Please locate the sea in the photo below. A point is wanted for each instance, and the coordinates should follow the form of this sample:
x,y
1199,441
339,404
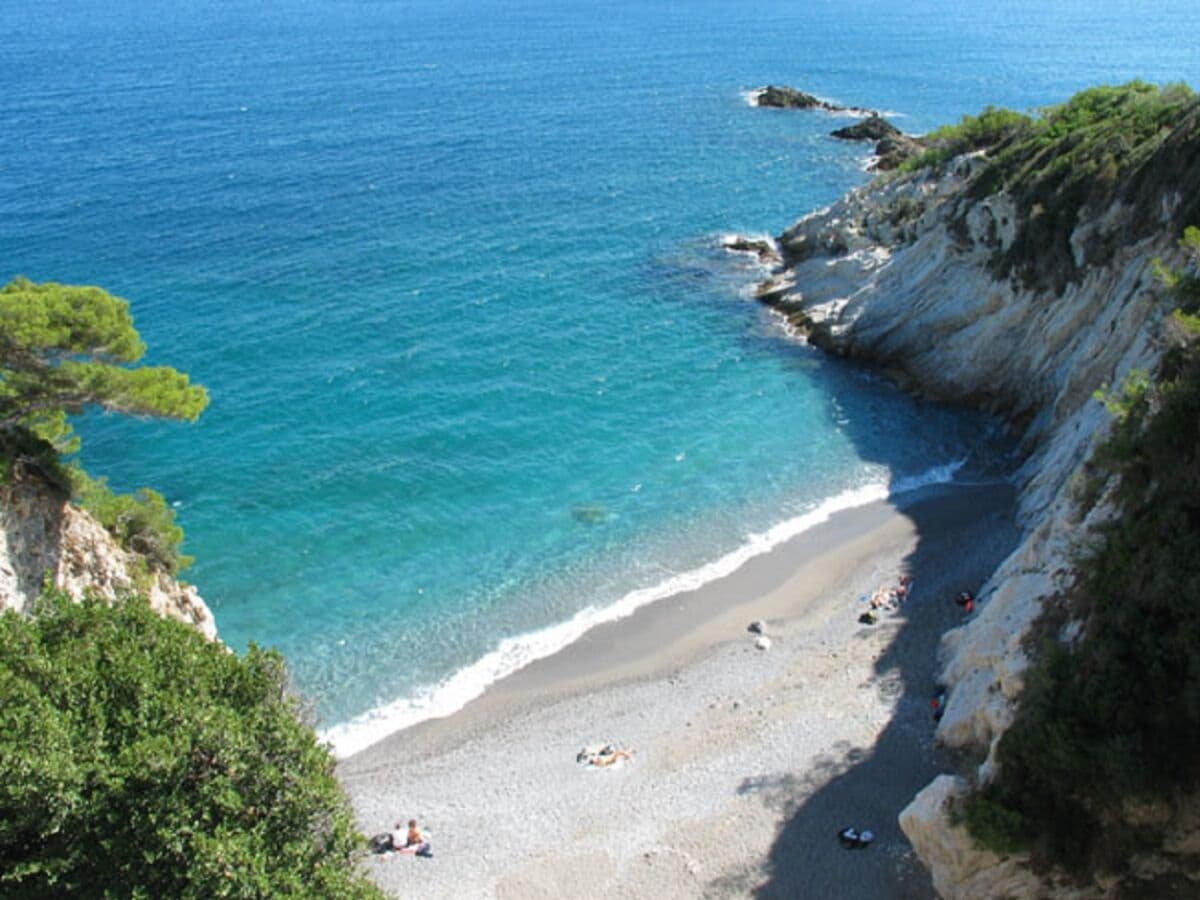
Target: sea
x,y
482,374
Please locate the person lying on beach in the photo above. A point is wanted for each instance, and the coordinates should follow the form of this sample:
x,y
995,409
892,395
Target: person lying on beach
x,y
607,755
885,598
611,757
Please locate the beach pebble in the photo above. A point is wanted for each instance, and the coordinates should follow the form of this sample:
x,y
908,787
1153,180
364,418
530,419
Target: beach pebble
x,y
758,626
762,642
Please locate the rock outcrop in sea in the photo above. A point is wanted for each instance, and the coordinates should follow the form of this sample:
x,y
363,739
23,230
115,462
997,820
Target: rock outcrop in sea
x,y
873,128
46,538
1022,298
892,146
783,97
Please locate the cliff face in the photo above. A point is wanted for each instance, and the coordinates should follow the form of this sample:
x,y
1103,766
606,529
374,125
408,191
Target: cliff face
x,y
43,535
903,274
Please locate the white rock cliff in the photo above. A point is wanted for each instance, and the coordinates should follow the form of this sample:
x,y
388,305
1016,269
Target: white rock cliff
x,y
901,273
44,536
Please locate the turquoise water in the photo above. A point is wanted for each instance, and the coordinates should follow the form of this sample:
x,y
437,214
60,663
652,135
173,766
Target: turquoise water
x,y
481,374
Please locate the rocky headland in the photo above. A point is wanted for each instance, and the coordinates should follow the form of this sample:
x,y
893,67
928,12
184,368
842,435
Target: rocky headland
x,y
1017,275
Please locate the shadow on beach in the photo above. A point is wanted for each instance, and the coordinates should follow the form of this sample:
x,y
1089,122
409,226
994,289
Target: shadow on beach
x,y
959,545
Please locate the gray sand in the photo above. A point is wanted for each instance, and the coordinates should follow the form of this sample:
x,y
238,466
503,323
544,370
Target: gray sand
x,y
746,762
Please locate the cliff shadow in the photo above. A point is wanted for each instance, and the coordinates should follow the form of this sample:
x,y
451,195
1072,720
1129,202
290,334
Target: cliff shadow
x,y
963,532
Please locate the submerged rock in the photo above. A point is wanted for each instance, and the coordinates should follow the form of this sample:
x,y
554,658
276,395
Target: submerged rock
x,y
589,513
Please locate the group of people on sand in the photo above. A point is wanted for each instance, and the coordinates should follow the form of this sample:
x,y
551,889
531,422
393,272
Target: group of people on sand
x,y
886,598
401,841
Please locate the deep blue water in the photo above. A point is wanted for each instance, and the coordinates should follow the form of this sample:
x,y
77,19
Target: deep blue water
x,y
450,272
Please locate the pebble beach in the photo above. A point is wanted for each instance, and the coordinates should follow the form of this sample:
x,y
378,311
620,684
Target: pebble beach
x,y
746,762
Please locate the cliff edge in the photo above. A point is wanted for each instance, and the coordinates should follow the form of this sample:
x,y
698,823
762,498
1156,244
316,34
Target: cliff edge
x,y
43,536
1012,269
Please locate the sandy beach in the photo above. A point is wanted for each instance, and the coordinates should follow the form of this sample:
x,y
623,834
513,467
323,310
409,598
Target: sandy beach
x,y
746,762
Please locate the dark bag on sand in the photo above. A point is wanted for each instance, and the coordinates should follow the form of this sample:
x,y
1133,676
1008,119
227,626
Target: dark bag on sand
x,y
382,843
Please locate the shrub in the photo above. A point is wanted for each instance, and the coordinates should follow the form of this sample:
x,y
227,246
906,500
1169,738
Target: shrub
x,y
142,522
991,127
139,760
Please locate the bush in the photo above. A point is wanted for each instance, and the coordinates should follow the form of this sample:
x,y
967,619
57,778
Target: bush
x,y
142,522
139,760
991,127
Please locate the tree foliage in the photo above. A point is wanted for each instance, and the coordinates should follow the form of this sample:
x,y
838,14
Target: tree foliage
x,y
64,348
1116,716
139,760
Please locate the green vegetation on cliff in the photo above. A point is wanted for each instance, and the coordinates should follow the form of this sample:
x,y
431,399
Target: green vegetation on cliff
x,y
65,348
1128,144
138,759
1110,722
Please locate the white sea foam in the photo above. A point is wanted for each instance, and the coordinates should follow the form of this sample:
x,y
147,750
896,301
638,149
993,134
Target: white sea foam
x,y
751,96
451,695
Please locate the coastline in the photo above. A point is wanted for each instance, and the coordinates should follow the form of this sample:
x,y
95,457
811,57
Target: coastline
x,y
517,652
737,750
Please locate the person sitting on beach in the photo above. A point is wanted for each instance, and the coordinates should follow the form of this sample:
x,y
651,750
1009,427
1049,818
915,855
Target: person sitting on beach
x,y
413,842
967,601
938,705
398,836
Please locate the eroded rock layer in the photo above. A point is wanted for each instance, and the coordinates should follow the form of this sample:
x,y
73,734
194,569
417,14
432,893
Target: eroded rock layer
x,y
44,537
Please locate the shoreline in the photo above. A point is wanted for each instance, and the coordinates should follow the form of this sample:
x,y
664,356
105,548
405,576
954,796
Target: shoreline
x,y
518,652
731,743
